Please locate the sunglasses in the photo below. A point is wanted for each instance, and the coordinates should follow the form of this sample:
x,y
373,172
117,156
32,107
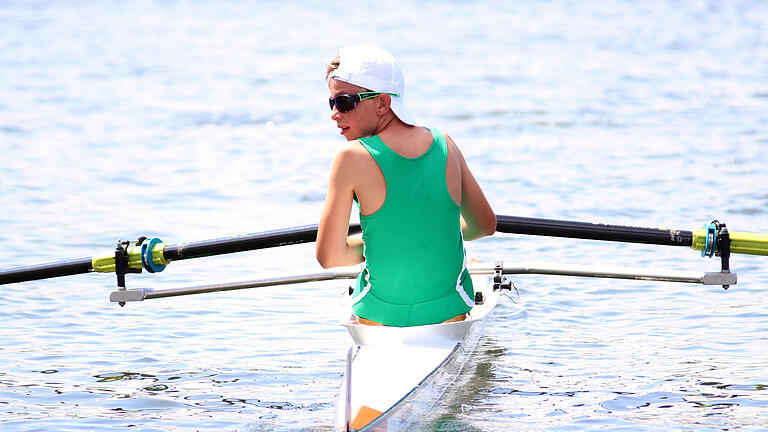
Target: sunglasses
x,y
348,102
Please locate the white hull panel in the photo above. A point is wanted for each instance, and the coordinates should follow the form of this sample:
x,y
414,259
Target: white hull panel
x,y
393,364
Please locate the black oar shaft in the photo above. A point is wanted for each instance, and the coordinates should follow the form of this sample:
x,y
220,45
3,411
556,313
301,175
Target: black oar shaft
x,y
47,270
590,231
267,239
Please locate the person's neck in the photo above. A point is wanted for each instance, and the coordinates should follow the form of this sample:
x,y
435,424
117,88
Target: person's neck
x,y
389,124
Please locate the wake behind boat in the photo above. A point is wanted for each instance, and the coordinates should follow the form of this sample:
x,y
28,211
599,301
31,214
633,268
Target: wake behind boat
x,y
395,374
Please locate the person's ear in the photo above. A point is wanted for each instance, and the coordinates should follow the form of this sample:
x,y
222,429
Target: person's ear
x,y
384,101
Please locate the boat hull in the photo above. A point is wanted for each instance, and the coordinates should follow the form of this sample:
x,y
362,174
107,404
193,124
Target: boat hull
x,y
401,372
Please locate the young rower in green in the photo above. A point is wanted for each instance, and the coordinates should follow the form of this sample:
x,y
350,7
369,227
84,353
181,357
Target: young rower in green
x,y
417,199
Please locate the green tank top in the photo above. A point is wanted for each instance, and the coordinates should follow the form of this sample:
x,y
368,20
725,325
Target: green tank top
x,y
415,264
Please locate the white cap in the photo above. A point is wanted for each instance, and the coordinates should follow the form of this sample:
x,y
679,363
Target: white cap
x,y
373,68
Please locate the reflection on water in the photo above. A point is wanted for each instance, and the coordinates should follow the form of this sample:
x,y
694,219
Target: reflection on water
x,y
470,390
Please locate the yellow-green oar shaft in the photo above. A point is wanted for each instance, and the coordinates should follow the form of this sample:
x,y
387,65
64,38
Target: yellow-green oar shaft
x,y
741,242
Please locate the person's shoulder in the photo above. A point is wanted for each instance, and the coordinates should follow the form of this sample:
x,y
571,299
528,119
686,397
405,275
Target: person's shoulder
x,y
438,131
353,153
353,148
448,140
447,136
454,151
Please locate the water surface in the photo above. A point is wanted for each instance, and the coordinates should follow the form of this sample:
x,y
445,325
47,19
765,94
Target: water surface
x,y
195,120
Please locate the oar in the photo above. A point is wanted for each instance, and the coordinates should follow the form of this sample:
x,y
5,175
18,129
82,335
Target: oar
x,y
161,254
154,255
741,242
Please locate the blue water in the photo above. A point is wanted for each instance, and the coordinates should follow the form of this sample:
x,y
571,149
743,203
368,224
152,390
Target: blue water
x,y
190,120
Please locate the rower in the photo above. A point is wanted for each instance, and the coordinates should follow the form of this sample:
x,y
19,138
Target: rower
x,y
417,201
413,190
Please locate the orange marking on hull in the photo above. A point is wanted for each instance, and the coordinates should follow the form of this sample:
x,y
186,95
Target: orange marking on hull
x,y
364,416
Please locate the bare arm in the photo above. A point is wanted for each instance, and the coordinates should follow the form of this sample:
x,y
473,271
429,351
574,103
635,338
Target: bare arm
x,y
478,218
334,247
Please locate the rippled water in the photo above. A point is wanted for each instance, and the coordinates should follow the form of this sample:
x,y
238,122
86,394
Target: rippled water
x,y
191,120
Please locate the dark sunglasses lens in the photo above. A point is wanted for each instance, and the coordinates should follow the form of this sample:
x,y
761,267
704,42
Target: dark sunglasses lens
x,y
343,103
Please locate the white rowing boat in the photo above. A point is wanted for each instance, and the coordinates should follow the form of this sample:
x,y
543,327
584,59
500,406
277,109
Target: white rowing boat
x,y
395,374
